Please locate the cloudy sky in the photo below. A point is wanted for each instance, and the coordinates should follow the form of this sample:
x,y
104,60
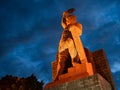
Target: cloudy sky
x,y
30,31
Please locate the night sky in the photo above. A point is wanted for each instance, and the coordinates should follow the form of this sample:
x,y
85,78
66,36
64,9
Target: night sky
x,y
30,31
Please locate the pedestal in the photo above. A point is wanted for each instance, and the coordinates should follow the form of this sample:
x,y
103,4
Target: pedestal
x,y
94,82
78,71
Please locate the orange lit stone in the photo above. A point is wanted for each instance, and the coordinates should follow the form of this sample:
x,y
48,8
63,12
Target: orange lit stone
x,y
80,70
70,41
78,44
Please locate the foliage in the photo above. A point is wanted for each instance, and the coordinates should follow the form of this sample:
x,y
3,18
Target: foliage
x,y
15,83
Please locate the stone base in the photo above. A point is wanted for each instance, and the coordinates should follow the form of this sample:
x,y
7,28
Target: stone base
x,y
78,71
94,82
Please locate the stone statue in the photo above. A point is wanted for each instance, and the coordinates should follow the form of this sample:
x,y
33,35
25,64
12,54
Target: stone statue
x,y
75,64
70,41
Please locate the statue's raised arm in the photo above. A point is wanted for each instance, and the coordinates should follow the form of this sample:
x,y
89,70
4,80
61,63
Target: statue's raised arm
x,y
69,19
65,16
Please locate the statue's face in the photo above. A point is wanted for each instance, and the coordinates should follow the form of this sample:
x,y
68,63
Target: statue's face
x,y
70,20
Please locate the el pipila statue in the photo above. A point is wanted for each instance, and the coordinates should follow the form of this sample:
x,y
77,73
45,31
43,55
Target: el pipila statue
x,y
70,40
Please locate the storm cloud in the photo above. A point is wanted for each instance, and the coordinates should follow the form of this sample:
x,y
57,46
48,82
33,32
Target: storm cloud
x,y
30,31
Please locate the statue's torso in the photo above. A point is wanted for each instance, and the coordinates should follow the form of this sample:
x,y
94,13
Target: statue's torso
x,y
66,34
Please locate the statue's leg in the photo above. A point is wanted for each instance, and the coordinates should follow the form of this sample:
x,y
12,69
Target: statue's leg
x,y
61,58
72,50
58,68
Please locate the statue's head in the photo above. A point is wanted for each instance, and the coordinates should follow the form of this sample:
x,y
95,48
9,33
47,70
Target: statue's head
x,y
71,19
68,18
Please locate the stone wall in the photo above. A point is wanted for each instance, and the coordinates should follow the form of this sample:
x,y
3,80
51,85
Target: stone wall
x,y
95,82
102,66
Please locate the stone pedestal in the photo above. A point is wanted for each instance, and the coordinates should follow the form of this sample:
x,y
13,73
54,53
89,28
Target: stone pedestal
x,y
94,82
94,75
78,71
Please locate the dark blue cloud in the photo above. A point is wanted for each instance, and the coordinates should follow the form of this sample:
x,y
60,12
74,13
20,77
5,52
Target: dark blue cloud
x,y
30,31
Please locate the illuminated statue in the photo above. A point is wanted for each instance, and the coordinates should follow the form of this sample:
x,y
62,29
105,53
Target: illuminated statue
x,y
70,41
76,67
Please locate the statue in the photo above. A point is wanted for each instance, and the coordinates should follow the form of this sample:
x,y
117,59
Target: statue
x,y
70,41
76,67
